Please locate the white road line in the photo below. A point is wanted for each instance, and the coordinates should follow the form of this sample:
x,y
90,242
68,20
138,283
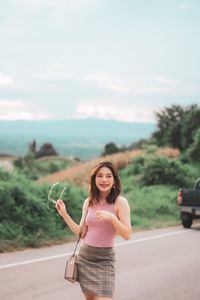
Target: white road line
x,y
154,237
31,261
116,245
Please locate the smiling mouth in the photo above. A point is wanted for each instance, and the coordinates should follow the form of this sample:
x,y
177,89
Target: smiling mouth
x,y
104,185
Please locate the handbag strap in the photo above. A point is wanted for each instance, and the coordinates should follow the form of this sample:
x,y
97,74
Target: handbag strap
x,y
79,238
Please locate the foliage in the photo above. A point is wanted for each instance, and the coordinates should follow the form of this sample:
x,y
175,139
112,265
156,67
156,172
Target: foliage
x,y
139,144
154,205
162,170
46,149
136,166
177,126
151,206
151,183
35,168
49,166
110,148
155,169
26,166
194,150
26,216
190,125
150,149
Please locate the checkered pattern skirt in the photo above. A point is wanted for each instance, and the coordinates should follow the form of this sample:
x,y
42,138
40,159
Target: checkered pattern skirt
x,y
96,270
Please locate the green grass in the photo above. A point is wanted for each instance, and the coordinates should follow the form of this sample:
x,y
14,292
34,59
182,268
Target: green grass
x,y
151,206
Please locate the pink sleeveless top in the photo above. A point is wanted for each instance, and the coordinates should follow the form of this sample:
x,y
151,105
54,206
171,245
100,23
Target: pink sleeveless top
x,y
99,233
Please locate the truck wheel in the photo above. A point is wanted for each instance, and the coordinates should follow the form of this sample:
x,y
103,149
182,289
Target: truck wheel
x,y
186,219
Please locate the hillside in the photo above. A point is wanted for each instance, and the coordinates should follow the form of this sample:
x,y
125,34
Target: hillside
x,y
79,173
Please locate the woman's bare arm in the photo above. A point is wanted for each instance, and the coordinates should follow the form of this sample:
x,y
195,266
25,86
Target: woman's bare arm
x,y
122,224
83,226
74,227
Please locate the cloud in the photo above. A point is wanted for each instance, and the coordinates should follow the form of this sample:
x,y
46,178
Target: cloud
x,y
6,81
164,80
106,110
18,110
105,80
131,86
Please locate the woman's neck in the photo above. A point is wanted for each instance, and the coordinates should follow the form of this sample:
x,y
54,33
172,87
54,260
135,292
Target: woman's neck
x,y
102,197
102,200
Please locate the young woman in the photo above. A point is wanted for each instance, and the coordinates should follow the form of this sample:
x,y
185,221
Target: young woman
x,y
107,214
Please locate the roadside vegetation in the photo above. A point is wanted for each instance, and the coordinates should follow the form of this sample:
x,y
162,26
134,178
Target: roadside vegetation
x,y
36,168
27,218
151,177
151,184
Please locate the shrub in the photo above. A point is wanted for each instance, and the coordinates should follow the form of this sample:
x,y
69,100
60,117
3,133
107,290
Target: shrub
x,y
34,168
162,170
150,149
27,218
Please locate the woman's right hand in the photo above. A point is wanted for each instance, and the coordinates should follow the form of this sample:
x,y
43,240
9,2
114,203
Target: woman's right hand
x,y
60,207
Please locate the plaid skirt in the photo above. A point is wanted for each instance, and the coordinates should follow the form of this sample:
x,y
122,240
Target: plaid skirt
x,y
96,270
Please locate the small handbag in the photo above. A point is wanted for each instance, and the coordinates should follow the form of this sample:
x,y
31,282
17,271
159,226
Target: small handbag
x,y
71,268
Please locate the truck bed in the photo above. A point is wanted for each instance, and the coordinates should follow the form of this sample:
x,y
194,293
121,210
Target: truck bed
x,y
190,197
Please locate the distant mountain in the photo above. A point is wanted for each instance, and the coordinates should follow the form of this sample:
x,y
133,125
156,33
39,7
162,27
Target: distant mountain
x,y
81,138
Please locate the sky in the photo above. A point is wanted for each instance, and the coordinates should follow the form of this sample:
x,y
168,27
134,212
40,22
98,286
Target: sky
x,y
109,59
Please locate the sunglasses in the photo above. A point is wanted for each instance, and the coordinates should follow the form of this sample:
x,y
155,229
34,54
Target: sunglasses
x,y
50,191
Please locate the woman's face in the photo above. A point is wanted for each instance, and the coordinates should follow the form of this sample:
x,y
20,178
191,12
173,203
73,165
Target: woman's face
x,y
104,180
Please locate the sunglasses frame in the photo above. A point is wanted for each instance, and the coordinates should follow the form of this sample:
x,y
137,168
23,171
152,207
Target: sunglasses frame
x,y
49,195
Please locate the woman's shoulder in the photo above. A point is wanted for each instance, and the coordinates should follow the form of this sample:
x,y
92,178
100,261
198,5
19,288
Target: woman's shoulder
x,y
86,200
121,201
86,203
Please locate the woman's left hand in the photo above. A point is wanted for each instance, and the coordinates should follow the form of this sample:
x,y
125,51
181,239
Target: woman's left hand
x,y
104,215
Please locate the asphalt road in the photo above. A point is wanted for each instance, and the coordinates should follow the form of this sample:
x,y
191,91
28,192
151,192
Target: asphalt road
x,y
162,264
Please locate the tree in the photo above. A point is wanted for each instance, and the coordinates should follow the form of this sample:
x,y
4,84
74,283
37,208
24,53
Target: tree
x,y
190,126
177,126
194,149
110,148
46,150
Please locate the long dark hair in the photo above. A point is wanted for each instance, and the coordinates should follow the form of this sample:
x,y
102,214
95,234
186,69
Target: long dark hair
x,y
94,191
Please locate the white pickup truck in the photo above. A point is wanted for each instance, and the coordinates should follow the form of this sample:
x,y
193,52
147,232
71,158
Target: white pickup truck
x,y
189,204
